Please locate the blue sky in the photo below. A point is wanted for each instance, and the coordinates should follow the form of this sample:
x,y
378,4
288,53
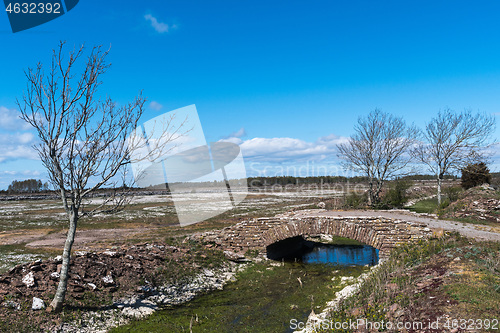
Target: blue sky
x,y
285,79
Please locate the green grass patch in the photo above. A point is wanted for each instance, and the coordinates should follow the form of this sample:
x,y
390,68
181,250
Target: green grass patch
x,y
477,297
474,221
263,299
425,206
338,240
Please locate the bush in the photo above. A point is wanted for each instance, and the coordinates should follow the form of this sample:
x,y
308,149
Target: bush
x,y
445,203
396,196
475,174
452,193
354,200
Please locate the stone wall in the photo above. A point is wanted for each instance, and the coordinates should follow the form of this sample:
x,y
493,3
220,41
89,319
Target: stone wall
x,y
381,233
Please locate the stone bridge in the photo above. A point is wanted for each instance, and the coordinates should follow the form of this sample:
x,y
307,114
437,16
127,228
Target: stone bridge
x,y
382,233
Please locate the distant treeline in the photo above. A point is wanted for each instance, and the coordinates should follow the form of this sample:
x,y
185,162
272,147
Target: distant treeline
x,y
427,177
26,186
290,180
36,186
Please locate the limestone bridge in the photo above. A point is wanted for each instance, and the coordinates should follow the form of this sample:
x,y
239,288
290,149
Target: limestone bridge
x,y
257,234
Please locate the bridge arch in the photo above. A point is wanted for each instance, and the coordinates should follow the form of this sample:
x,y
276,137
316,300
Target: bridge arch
x,y
353,229
381,233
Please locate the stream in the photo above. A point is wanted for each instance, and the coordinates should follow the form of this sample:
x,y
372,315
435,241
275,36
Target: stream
x,y
269,294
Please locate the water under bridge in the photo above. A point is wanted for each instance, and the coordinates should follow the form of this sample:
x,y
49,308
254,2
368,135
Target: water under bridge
x,y
257,234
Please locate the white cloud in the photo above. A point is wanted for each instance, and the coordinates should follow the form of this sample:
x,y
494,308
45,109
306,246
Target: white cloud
x,y
160,27
155,106
17,146
25,138
234,140
288,149
16,139
9,120
33,173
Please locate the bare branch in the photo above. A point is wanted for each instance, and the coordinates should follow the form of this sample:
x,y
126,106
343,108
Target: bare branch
x,y
84,139
454,140
379,149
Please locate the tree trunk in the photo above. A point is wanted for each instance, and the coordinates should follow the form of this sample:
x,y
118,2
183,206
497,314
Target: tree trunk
x,y
439,189
376,196
370,193
58,300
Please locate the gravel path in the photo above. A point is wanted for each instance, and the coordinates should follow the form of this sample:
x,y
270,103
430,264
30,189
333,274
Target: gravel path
x,y
465,229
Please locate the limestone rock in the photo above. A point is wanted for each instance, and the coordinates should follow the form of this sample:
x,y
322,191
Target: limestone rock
x,y
138,309
112,254
108,280
29,280
12,305
230,255
38,304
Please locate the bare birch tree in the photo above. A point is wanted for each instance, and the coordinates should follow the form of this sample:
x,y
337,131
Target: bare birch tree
x,y
379,149
452,141
84,141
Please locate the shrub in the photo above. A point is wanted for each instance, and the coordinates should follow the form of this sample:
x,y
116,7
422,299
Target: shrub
x,y
475,174
354,200
396,196
452,192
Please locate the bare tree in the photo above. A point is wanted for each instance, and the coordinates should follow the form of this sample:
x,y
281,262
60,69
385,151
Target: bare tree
x,y
452,141
85,141
379,150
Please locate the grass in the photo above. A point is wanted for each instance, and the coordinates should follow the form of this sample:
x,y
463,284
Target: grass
x,y
263,299
477,286
471,282
428,206
474,221
338,240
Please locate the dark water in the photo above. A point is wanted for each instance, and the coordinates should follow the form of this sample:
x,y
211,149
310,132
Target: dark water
x,y
297,249
340,255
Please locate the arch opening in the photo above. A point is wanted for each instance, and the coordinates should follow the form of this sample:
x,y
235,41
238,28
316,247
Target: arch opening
x,y
315,250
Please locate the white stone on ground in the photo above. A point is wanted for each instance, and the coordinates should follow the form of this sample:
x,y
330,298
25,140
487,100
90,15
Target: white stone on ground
x,y
38,304
108,280
29,280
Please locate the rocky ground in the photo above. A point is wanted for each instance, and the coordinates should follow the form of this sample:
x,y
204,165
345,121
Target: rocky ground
x,y
109,287
446,289
450,284
481,203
